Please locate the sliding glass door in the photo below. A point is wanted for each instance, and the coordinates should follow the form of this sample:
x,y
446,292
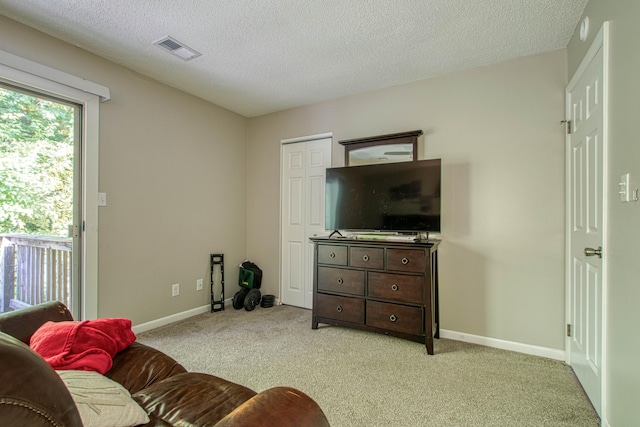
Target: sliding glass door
x,y
40,206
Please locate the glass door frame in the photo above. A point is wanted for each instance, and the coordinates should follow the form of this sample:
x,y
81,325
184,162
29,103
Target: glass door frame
x,y
20,71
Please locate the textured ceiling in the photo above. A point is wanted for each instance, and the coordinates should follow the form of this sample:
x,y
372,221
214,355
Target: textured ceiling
x,y
263,56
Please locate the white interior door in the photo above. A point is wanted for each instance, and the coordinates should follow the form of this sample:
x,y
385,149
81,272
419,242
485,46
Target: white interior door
x,y
586,109
303,167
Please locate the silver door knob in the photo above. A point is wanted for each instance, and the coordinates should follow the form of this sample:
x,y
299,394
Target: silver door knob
x,y
592,252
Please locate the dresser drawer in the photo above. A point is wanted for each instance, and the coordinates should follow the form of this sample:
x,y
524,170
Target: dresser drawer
x,y
340,308
366,257
412,260
341,280
396,287
394,317
332,254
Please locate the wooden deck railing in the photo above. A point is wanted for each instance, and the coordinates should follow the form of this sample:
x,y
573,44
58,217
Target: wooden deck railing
x,y
34,269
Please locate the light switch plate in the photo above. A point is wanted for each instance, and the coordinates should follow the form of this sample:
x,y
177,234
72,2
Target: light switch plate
x,y
102,199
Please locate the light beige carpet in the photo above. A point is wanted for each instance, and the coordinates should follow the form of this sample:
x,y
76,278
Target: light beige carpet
x,y
366,379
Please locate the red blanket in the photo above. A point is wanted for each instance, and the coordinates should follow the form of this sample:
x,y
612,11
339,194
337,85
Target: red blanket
x,y
88,345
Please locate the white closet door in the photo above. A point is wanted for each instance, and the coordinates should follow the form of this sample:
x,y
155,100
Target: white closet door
x,y
303,167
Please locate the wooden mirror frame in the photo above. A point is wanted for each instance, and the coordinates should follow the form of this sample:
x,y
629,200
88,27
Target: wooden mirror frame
x,y
378,140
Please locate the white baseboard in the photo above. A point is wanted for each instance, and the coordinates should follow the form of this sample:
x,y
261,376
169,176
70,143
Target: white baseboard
x,y
163,321
533,350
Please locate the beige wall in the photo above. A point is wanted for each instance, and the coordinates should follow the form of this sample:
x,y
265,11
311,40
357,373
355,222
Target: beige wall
x,y
622,372
497,130
174,170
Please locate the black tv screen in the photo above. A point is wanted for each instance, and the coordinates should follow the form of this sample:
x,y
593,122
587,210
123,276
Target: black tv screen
x,y
402,197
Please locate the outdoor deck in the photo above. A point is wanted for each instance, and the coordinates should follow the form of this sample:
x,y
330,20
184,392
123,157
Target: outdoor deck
x,y
34,269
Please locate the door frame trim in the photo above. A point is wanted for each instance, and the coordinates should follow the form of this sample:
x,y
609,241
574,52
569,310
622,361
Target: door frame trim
x,y
601,41
305,139
52,75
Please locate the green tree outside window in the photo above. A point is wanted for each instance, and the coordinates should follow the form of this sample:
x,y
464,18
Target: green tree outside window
x,y
36,164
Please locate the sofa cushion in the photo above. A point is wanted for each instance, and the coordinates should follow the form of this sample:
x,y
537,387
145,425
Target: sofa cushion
x,y
139,366
88,345
191,399
102,402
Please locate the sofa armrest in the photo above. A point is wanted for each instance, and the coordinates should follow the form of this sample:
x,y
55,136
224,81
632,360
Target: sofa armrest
x,y
191,399
31,393
278,406
139,366
22,323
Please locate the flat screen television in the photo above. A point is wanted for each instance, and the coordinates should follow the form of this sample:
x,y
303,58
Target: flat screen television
x,y
390,197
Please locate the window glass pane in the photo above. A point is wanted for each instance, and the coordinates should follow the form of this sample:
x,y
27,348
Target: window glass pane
x,y
37,142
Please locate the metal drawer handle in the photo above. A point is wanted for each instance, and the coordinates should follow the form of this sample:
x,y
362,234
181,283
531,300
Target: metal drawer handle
x,y
365,258
332,255
393,318
340,281
405,261
394,287
339,309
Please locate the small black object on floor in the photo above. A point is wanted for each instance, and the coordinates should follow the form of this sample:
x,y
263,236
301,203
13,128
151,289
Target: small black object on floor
x,y
217,259
250,281
267,301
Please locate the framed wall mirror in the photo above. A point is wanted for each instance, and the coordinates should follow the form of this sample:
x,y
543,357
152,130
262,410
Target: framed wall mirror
x,y
391,148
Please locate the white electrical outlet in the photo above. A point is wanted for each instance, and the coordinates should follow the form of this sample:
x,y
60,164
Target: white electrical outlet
x,y
199,285
175,290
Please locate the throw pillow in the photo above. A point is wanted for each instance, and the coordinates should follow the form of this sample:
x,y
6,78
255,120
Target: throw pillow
x,y
102,402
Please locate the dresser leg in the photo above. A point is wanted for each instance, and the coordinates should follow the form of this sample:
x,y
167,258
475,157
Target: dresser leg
x,y
314,322
429,345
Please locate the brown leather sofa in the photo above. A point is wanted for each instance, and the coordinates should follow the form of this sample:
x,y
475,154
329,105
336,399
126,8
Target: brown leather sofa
x,y
32,394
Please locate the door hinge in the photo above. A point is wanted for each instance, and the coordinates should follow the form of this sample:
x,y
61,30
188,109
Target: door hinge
x,y
568,329
568,122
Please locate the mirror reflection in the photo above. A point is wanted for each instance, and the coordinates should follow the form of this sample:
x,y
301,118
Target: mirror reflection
x,y
388,153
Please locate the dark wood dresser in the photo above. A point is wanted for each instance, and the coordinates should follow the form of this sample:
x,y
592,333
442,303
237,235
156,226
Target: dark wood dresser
x,y
383,286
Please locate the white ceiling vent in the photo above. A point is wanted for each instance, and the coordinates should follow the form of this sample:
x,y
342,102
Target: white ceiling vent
x,y
180,50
